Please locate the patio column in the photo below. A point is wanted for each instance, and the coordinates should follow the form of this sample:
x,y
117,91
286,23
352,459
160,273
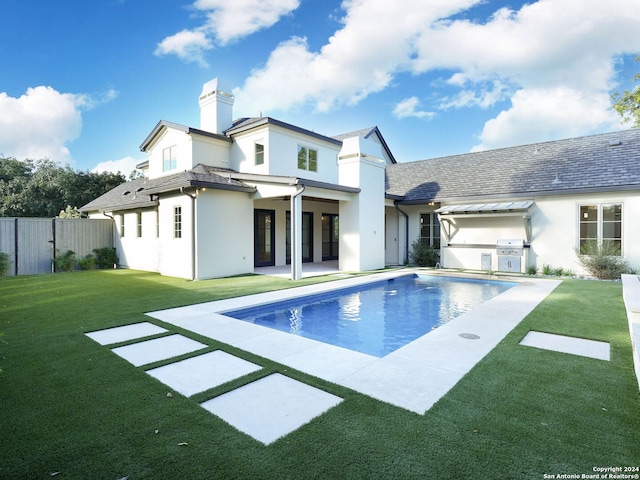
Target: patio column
x,y
296,234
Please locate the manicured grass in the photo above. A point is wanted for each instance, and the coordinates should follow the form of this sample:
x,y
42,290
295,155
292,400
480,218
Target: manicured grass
x,y
71,406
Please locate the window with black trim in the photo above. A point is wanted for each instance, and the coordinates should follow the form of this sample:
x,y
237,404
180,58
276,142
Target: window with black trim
x,y
139,221
430,229
601,226
177,222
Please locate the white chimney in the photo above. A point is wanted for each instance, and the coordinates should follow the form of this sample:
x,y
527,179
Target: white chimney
x,y
216,107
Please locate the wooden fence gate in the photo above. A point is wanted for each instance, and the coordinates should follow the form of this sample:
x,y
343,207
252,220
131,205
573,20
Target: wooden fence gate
x,y
31,243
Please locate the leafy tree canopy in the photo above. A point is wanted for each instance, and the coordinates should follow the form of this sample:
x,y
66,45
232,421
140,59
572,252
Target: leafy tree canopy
x,y
627,104
42,188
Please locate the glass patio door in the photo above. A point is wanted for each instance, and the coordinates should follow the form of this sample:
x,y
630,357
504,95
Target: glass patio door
x,y
307,237
264,222
330,236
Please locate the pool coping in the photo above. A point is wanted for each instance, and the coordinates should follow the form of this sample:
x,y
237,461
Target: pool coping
x,y
413,377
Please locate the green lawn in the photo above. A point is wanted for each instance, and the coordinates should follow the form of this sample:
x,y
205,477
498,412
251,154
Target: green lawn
x,y
71,406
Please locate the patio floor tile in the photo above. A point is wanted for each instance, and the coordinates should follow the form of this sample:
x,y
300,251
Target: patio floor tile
x,y
157,349
110,336
564,344
271,407
203,372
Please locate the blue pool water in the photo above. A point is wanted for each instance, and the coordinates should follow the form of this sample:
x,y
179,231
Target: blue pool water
x,y
377,318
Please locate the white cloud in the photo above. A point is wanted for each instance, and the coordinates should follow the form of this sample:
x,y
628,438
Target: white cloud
x,y
229,21
187,45
226,21
42,122
560,50
408,108
548,114
124,165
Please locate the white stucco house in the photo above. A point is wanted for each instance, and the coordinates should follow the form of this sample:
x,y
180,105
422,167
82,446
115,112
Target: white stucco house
x,y
233,195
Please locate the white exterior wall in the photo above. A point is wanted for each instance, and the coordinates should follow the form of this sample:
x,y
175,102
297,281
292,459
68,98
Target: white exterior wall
x,y
225,233
554,232
281,154
175,254
168,138
209,151
362,223
555,228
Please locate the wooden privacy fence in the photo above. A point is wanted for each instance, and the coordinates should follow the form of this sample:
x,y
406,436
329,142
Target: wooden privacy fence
x,y
31,243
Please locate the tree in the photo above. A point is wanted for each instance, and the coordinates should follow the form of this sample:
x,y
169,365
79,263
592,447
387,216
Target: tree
x,y
42,188
627,104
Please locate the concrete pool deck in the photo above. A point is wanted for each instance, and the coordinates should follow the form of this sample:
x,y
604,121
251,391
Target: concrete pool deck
x,y
414,377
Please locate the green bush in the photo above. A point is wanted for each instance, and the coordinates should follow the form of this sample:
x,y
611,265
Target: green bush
x,y
88,262
602,261
66,262
423,254
532,269
547,269
4,264
106,257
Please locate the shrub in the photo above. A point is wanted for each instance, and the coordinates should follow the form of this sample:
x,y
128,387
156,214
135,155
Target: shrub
x,y
532,269
4,264
558,272
603,261
547,270
88,262
106,257
423,254
66,262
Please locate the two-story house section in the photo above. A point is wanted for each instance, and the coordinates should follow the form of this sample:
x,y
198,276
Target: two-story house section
x,y
233,195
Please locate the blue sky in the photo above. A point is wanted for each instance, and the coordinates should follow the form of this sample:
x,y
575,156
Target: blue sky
x,y
84,82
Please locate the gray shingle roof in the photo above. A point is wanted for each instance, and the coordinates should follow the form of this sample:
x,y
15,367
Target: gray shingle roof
x,y
137,193
605,162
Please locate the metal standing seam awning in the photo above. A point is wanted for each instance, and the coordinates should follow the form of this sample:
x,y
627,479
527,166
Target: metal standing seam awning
x,y
479,210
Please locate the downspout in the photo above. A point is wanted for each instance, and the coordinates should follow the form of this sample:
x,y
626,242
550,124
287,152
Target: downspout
x,y
295,274
194,235
406,233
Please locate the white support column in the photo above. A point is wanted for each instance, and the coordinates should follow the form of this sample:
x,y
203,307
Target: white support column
x,y
296,234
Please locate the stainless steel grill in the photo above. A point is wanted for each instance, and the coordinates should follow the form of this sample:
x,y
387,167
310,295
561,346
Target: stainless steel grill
x,y
510,252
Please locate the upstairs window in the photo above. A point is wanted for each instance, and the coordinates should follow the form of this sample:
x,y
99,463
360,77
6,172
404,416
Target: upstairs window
x,y
601,225
169,158
259,153
307,159
122,225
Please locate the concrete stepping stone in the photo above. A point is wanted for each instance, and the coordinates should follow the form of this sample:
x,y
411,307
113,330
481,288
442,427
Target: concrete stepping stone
x,y
271,407
157,349
125,333
564,344
203,372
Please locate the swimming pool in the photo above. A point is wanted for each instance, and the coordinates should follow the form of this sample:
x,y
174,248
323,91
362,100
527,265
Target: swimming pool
x,y
377,318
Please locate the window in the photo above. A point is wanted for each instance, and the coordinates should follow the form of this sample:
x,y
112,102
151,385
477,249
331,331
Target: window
x,y
139,218
177,222
307,159
259,152
169,158
430,229
601,225
122,225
